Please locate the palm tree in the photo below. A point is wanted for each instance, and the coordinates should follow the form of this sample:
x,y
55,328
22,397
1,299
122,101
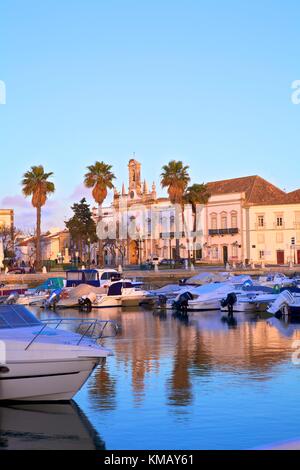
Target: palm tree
x,y
195,195
100,178
175,178
35,183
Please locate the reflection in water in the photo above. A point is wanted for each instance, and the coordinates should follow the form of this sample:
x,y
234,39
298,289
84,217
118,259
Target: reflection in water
x,y
195,368
46,427
103,389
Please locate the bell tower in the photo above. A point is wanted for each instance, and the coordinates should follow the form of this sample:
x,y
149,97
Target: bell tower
x,y
135,184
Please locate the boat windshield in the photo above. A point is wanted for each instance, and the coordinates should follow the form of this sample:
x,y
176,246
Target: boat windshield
x,y
16,316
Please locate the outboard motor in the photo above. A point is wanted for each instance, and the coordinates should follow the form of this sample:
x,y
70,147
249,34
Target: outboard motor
x,y
229,302
161,301
85,303
53,299
12,298
183,301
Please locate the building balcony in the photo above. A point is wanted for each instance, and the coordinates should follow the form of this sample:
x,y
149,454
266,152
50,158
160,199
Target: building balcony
x,y
171,235
223,231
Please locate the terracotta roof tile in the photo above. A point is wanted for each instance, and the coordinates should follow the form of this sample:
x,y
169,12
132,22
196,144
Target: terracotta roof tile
x,y
257,190
294,196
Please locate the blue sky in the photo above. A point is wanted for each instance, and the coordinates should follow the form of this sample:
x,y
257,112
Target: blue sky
x,y
208,82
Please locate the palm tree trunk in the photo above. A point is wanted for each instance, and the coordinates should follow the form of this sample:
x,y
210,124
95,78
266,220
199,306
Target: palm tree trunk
x,y
100,241
38,238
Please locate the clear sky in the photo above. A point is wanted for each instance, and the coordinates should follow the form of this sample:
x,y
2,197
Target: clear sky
x,y
205,81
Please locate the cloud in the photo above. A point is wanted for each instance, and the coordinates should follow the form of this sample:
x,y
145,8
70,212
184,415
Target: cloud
x,y
54,213
12,202
80,192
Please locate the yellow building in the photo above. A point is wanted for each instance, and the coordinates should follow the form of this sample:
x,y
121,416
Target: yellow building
x,y
6,218
274,233
250,219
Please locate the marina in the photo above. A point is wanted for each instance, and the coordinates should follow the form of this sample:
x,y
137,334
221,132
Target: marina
x,y
149,231
210,383
211,379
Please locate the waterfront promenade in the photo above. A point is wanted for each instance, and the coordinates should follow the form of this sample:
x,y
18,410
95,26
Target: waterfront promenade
x,y
162,275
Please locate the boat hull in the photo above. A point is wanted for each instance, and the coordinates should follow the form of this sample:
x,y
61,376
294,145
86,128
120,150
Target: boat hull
x,y
204,306
133,301
45,380
242,307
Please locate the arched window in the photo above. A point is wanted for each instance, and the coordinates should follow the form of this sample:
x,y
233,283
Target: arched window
x,y
223,220
234,222
213,221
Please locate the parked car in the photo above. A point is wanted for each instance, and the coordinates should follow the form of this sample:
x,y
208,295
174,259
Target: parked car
x,y
154,260
20,270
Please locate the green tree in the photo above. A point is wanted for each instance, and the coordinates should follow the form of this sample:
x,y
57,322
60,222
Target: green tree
x,y
36,184
9,235
175,178
100,178
195,195
81,226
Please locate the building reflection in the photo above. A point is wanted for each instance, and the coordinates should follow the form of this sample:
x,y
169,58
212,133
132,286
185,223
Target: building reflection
x,y
103,388
175,352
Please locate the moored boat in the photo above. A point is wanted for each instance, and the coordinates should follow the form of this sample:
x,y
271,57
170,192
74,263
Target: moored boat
x,y
44,362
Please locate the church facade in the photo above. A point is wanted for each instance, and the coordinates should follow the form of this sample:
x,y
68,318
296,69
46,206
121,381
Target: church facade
x,y
144,225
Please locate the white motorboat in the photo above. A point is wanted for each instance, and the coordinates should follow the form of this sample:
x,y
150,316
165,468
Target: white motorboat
x,y
286,303
251,301
43,362
120,293
209,297
275,280
201,298
27,299
92,277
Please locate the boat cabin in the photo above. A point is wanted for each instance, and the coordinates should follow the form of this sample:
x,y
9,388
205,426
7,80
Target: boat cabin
x,y
92,277
116,288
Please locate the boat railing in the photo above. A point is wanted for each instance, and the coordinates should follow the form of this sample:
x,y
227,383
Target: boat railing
x,y
93,329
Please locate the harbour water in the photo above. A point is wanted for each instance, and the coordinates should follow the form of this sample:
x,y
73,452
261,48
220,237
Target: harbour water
x,y
206,383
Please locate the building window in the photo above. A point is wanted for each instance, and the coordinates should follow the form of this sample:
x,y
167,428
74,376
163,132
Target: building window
x,y
234,220
261,220
214,222
235,250
279,221
261,254
223,220
279,237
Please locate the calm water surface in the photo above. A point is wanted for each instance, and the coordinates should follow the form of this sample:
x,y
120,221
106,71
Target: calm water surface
x,y
202,384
